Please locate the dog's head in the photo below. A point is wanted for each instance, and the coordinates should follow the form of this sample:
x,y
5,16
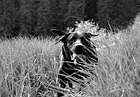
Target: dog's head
x,y
78,43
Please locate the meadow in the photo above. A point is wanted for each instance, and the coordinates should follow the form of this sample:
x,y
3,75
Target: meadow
x,y
28,64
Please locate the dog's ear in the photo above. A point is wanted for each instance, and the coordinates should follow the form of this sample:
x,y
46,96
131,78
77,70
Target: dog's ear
x,y
63,35
59,32
64,38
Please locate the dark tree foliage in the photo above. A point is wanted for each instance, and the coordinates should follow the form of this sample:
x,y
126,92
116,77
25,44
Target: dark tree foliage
x,y
37,17
91,10
76,12
8,15
54,8
116,13
24,17
69,11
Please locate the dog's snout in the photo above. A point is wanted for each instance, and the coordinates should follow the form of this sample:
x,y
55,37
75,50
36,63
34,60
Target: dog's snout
x,y
79,46
78,49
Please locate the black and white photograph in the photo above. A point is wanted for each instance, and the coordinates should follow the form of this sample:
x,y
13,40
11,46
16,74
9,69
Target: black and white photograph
x,y
69,48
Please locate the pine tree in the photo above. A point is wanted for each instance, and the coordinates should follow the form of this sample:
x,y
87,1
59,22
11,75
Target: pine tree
x,y
6,19
91,10
35,17
43,18
116,13
76,12
54,8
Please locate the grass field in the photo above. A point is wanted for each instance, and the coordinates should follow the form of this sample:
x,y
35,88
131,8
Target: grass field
x,y
28,64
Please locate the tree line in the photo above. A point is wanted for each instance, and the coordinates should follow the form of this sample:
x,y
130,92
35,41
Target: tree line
x,y
37,17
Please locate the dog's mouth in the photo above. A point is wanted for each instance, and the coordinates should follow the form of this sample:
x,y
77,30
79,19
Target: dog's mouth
x,y
78,58
79,54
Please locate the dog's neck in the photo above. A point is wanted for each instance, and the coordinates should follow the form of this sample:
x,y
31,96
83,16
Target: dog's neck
x,y
78,59
66,53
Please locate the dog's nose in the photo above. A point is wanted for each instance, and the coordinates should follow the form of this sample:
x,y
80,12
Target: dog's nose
x,y
78,49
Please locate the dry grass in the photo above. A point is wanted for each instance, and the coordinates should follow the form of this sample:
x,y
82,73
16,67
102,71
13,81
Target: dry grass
x,y
23,60
27,64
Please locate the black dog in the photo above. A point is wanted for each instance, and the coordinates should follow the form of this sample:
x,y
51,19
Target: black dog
x,y
77,53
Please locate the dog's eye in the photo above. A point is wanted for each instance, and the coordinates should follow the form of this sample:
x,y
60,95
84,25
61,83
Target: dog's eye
x,y
84,40
72,39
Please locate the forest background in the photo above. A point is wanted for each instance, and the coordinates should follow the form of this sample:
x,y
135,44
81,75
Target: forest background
x,y
35,18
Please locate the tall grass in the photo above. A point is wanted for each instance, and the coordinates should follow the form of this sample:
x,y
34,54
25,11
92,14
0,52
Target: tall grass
x,y
26,65
23,60
119,70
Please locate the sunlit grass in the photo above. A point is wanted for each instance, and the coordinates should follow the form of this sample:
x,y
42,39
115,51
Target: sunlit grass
x,y
24,58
